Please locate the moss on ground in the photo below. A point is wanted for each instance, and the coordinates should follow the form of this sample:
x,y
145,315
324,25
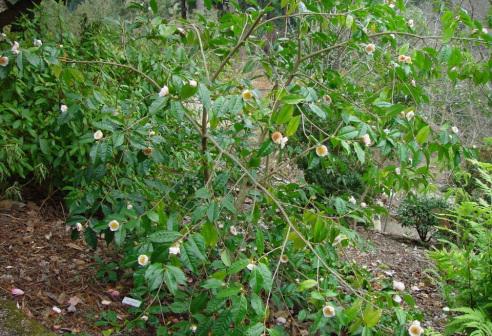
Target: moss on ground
x,y
14,323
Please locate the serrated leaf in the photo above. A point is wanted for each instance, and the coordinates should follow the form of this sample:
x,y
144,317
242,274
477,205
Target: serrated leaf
x,y
164,236
293,125
154,275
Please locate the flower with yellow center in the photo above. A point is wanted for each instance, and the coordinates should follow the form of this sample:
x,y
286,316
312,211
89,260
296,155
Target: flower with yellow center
x,y
143,260
247,94
277,137
370,48
402,58
415,329
148,151
321,150
4,61
114,225
408,60
98,135
329,311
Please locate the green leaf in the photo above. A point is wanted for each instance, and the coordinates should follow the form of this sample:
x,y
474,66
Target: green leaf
x,y
317,110
284,114
293,125
238,266
239,308
361,155
371,316
164,236
210,234
173,277
423,134
204,94
306,284
292,99
154,275
228,292
153,6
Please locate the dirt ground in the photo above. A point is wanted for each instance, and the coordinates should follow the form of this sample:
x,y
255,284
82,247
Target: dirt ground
x,y
403,259
38,256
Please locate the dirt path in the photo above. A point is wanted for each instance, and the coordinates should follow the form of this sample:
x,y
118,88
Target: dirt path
x,y
403,259
38,256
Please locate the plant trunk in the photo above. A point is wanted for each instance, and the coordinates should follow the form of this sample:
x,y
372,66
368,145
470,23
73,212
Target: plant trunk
x,y
183,9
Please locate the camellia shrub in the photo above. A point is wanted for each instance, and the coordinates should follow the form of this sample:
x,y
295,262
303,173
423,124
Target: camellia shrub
x,y
422,213
163,146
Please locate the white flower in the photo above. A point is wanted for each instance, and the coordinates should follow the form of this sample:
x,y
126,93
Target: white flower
x,y
415,329
15,48
4,61
251,266
143,260
233,230
386,131
380,203
37,43
283,141
398,285
393,36
175,250
63,108
151,133
193,83
3,35
411,23
98,135
370,48
392,5
366,139
321,151
413,82
164,91
56,309
352,200
144,318
284,259
114,225
397,299
328,311
281,320
445,309
397,171
60,46
193,328
247,94
485,30
455,130
129,206
363,205
410,115
79,227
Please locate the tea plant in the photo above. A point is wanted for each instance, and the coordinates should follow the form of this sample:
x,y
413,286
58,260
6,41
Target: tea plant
x,y
165,149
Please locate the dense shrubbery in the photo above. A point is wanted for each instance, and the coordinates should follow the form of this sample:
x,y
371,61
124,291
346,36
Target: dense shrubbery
x,y
162,142
465,262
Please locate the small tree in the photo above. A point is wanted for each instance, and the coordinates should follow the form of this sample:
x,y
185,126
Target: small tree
x,y
420,212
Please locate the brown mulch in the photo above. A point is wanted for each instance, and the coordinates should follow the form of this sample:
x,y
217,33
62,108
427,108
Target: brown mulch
x,y
403,259
38,256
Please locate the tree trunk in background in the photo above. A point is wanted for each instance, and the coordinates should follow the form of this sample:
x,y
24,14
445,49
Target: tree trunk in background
x,y
183,9
200,6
